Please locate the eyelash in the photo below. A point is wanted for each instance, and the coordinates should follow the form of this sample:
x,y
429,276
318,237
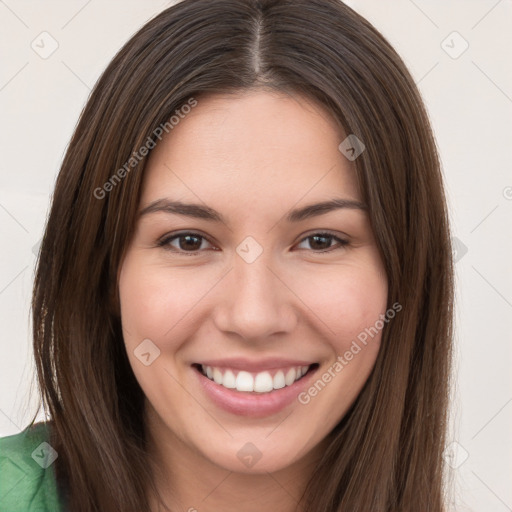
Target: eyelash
x,y
165,242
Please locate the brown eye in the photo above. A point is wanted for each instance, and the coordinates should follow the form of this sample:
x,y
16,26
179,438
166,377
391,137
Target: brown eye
x,y
184,242
189,242
322,242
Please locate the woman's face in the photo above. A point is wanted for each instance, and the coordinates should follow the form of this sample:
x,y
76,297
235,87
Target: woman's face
x,y
230,268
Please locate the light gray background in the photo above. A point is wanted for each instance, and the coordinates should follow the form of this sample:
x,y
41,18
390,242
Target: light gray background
x,y
469,98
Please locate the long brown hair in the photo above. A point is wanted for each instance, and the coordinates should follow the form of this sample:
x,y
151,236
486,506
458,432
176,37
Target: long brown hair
x,y
386,453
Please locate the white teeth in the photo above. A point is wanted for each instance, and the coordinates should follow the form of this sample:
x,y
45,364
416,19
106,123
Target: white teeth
x,y
290,377
244,382
229,380
279,380
217,376
261,382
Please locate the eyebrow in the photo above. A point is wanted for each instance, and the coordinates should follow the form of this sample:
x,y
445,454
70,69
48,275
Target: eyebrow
x,y
199,211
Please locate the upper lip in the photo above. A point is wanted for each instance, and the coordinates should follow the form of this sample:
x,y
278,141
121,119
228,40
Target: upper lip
x,y
240,363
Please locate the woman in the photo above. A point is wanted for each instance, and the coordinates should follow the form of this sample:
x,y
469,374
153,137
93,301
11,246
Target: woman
x,y
244,291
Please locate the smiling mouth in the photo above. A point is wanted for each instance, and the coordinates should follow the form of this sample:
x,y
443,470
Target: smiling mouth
x,y
255,382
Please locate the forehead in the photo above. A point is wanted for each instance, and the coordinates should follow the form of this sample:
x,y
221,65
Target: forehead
x,y
255,147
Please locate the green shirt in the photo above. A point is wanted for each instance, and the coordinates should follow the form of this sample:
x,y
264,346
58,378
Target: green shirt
x,y
27,478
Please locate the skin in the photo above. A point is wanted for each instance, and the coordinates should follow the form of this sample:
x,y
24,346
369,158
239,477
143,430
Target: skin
x,y
252,157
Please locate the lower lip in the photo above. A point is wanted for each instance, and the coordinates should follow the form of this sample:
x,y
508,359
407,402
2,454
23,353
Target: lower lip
x,y
252,404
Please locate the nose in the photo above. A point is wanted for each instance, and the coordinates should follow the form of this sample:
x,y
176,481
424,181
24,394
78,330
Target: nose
x,y
255,302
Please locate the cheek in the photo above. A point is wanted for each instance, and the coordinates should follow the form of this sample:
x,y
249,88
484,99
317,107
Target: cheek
x,y
351,304
144,300
340,301
344,301
154,305
362,300
156,300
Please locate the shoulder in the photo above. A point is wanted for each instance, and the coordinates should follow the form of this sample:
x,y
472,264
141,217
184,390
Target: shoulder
x,y
26,465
